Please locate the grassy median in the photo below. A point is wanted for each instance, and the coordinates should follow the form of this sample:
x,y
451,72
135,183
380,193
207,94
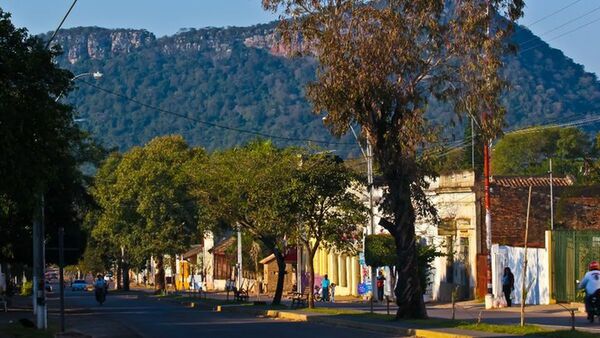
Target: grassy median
x,y
437,323
17,330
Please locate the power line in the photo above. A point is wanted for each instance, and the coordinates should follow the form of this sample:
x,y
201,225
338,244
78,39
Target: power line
x,y
554,13
561,35
563,25
211,124
60,24
526,130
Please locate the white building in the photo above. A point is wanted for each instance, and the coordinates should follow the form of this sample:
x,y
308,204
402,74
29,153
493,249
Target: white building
x,y
455,198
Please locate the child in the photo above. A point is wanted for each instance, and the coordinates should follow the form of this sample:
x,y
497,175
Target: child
x,y
332,292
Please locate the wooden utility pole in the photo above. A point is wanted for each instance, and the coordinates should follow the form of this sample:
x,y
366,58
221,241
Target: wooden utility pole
x,y
523,285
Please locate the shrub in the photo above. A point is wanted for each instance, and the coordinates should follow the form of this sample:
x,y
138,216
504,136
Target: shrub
x,y
27,289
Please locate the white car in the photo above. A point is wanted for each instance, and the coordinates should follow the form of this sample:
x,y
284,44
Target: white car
x,y
78,285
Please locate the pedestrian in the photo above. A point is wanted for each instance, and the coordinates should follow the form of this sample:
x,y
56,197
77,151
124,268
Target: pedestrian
x,y
508,285
380,284
325,288
332,292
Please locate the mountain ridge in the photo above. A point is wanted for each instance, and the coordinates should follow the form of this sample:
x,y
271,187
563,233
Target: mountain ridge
x,y
237,77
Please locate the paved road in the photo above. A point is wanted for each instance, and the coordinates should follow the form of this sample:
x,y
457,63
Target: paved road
x,y
550,315
135,315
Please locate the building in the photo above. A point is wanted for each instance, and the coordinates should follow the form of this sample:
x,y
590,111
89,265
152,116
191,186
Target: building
x,y
455,197
271,272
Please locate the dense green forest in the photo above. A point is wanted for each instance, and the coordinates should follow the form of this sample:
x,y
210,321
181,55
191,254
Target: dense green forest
x,y
230,77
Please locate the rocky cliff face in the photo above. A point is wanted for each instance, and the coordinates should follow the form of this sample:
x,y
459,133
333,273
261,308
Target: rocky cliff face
x,y
99,43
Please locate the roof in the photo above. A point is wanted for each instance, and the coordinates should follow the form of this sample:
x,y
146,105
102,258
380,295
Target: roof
x,y
526,181
290,257
222,246
193,251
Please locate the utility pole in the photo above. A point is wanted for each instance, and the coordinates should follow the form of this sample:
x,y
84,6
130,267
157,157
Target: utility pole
x,y
61,267
524,279
239,258
39,281
371,213
472,144
299,268
551,199
368,155
489,297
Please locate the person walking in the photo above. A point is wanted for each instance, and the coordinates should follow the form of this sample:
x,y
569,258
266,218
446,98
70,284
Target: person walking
x,y
325,288
380,285
508,285
332,292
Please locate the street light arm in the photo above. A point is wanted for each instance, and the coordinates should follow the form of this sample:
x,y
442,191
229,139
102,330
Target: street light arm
x,y
357,141
96,76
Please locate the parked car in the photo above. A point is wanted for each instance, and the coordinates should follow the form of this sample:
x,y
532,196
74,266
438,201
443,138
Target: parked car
x,y
78,285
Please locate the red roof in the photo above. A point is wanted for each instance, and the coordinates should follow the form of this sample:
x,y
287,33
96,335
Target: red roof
x,y
526,181
290,257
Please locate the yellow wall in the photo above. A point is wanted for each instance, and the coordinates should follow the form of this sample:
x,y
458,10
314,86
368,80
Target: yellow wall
x,y
343,270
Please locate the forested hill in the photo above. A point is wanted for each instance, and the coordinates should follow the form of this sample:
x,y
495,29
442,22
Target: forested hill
x,y
237,78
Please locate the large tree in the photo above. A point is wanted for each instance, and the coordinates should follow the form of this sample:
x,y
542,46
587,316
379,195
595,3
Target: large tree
x,y
148,207
329,212
379,63
250,188
41,148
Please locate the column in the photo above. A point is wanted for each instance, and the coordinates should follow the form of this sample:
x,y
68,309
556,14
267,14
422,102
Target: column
x,y
332,267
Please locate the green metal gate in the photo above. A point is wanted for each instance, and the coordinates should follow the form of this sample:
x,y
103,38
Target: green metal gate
x,y
572,251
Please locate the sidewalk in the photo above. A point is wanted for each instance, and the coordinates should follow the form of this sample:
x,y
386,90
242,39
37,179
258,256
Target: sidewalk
x,y
551,317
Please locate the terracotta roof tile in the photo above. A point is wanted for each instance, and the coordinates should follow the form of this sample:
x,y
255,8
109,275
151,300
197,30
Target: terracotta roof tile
x,y
526,181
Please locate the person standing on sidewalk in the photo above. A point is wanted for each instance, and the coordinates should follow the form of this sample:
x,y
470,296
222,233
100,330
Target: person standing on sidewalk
x,y
325,288
380,284
508,285
332,291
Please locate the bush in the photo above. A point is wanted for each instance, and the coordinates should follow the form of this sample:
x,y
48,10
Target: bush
x,y
27,289
380,250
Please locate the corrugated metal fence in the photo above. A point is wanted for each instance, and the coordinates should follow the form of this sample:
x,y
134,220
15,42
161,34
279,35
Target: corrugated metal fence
x,y
572,251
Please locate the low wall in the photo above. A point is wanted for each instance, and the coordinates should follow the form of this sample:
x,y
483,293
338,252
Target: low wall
x,y
538,274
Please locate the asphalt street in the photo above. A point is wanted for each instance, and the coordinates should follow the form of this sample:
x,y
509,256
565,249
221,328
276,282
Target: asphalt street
x,y
137,315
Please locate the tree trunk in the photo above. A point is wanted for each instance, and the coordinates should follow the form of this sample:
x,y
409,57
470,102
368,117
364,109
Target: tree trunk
x,y
408,291
125,276
173,261
393,276
159,278
119,273
280,276
311,278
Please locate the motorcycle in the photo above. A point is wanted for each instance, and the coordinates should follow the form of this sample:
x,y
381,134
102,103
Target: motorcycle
x,y
100,294
594,306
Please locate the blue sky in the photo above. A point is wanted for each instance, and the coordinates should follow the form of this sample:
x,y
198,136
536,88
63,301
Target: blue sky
x,y
167,17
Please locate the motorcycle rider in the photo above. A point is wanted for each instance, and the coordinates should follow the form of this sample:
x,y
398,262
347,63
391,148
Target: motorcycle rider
x,y
591,284
100,287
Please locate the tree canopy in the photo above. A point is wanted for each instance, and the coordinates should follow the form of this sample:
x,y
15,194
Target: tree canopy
x,y
147,205
329,211
379,66
250,188
41,147
527,152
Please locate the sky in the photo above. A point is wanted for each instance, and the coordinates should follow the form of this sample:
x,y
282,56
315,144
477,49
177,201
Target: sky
x,y
565,24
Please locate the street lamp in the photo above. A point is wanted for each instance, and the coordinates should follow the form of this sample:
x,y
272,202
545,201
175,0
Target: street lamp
x,y
368,155
97,75
39,257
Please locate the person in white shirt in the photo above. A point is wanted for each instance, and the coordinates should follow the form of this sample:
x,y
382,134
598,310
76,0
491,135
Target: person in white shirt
x,y
591,284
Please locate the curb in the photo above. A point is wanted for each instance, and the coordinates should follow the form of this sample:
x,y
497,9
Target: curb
x,y
324,319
